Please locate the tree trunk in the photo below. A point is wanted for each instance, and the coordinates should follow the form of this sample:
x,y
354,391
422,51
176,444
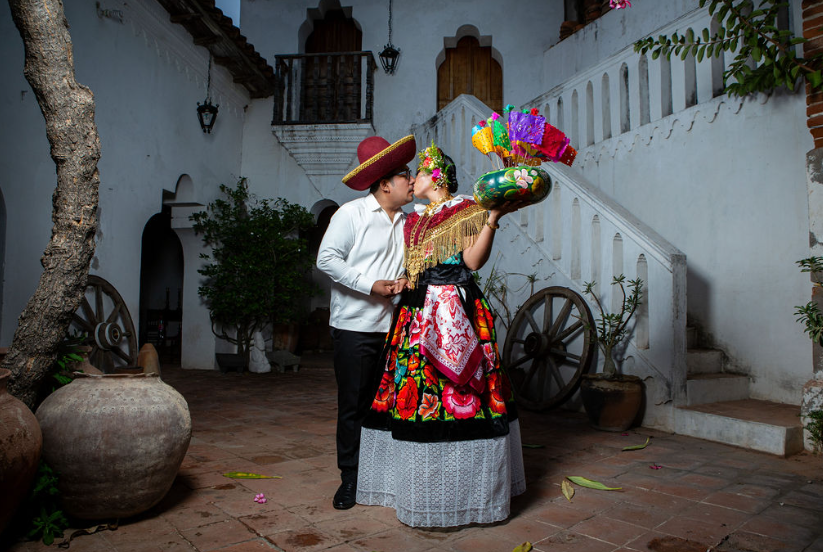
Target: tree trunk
x,y
68,108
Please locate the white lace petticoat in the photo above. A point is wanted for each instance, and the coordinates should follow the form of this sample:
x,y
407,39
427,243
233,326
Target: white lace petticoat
x,y
441,484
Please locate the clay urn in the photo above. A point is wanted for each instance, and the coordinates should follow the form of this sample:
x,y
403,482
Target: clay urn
x,y
116,442
20,444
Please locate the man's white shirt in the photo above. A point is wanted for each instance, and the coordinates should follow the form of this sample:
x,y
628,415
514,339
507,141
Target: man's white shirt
x,y
360,246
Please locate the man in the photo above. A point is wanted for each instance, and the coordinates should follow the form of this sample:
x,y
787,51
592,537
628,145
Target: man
x,y
362,252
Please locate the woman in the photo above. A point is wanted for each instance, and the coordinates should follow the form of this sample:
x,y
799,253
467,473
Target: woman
x,y
442,443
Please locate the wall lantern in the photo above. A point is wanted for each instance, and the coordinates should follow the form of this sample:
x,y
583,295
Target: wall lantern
x,y
206,112
390,55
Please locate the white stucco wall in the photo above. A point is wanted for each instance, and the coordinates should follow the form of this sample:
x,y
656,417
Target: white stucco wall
x,y
407,98
147,78
723,182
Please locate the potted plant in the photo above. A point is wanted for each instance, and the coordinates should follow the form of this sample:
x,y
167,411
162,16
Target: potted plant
x,y
811,316
259,266
611,399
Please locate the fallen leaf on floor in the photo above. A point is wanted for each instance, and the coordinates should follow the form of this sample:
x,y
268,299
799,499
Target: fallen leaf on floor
x,y
638,447
526,445
525,547
246,475
568,490
589,484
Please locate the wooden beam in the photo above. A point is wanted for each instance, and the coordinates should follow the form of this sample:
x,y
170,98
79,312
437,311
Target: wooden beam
x,y
184,17
207,40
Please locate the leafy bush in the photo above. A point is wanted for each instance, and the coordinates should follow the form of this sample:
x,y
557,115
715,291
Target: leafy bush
x,y
260,265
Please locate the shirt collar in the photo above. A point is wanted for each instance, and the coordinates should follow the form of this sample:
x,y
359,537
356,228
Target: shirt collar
x,y
372,203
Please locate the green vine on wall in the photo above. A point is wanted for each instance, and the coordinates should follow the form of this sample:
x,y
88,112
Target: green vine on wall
x,y
765,55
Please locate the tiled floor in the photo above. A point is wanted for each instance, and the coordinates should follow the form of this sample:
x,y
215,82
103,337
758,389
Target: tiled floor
x,y
705,496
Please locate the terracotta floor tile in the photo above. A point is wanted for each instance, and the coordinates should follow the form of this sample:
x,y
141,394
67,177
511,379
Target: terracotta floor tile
x,y
272,521
702,530
569,541
514,531
737,502
610,530
219,535
791,515
804,499
751,542
255,545
657,542
305,539
645,516
349,529
395,539
703,481
561,516
770,527
682,490
189,518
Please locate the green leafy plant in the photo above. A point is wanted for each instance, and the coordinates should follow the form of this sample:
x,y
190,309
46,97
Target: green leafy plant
x,y
613,328
46,520
68,353
815,428
765,55
259,265
809,314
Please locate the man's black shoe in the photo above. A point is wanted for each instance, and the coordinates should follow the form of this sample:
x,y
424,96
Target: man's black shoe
x,y
346,496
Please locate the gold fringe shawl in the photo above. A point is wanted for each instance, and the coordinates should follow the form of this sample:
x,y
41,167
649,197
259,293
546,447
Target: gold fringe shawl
x,y
433,245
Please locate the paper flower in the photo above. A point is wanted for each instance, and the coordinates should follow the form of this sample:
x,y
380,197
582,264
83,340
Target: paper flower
x,y
260,498
620,4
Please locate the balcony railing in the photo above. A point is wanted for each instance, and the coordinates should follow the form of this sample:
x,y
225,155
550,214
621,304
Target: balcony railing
x,y
324,88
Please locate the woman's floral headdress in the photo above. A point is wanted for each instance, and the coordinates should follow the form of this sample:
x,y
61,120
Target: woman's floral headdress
x,y
432,162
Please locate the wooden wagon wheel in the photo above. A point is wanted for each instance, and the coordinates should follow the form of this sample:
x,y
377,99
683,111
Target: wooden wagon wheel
x,y
550,344
105,319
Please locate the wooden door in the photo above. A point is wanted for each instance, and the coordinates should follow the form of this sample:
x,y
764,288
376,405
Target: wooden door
x,y
331,84
470,69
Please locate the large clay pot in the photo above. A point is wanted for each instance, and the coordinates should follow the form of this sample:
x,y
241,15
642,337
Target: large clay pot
x,y
116,442
531,184
611,403
20,445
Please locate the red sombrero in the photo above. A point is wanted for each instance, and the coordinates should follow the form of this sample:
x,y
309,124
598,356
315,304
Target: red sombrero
x,y
377,158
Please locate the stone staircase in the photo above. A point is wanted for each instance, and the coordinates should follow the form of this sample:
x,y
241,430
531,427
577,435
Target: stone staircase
x,y
718,407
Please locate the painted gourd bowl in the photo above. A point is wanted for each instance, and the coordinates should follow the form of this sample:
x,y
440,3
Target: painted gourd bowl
x,y
494,188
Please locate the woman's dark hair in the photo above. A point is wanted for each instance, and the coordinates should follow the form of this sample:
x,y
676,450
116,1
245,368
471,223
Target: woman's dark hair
x,y
451,172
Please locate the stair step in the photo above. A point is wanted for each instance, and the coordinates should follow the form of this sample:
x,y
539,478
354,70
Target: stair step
x,y
704,361
716,387
691,337
753,424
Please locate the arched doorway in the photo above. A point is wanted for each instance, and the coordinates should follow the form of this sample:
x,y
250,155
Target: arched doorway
x,y
469,67
331,83
161,287
314,336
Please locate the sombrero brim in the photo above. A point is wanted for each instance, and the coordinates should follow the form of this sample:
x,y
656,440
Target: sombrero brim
x,y
394,156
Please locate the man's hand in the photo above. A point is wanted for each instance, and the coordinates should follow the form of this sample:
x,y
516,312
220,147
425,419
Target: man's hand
x,y
401,284
384,288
